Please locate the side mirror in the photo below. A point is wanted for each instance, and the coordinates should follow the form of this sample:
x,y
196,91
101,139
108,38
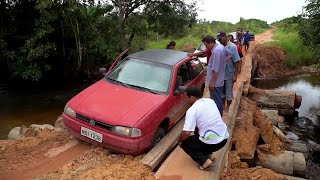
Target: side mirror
x,y
103,71
179,90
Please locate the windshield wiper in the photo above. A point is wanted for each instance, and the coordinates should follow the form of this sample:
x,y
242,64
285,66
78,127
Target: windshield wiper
x,y
144,89
119,82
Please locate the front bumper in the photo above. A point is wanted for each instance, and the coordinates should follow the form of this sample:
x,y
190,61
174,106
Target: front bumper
x,y
115,143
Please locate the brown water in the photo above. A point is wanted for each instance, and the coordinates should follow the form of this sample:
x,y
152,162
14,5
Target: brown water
x,y
33,106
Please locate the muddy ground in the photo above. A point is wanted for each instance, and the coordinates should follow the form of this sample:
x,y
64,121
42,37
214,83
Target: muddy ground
x,y
52,154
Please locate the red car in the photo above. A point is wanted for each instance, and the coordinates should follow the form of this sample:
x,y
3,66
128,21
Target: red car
x,y
136,103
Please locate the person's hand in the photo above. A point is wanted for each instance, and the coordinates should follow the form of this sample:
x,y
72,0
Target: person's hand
x,y
189,54
211,85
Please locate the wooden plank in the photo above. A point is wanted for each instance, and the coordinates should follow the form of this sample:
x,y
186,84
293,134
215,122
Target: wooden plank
x,y
156,154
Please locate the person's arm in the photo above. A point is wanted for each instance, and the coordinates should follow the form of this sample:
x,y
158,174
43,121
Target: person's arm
x,y
189,125
216,60
198,54
184,135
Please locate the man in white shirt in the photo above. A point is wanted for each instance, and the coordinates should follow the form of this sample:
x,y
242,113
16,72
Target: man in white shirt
x,y
210,132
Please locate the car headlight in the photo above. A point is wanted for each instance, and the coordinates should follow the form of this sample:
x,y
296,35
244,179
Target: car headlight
x,y
68,111
126,131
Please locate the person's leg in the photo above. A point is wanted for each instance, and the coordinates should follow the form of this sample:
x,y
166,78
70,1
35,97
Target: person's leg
x,y
216,95
194,148
224,95
229,91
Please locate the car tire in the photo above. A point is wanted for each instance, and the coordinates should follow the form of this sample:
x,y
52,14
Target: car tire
x,y
160,133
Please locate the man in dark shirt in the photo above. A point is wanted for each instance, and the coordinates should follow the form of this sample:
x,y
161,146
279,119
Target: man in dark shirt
x,y
246,40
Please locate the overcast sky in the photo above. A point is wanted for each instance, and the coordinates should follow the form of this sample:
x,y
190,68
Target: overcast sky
x,y
232,10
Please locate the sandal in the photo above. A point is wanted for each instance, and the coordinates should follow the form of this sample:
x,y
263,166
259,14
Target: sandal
x,y
205,169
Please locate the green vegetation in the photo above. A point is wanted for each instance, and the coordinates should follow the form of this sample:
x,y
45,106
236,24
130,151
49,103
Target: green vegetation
x,y
66,38
296,53
55,39
303,32
202,28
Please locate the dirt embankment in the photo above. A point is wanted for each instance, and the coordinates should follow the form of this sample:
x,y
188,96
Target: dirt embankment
x,y
269,61
250,119
44,153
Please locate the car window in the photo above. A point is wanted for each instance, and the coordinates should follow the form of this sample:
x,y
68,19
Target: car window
x,y
142,74
183,74
195,67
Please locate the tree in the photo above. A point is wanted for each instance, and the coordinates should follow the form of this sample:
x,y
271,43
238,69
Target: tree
x,y
310,25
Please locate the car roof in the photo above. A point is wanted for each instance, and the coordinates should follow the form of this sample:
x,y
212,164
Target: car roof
x,y
164,56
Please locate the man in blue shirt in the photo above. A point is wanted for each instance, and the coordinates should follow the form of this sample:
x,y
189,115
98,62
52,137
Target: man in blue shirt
x,y
231,72
246,40
216,68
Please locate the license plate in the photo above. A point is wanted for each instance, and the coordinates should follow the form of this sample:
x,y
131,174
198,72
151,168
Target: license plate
x,y
91,134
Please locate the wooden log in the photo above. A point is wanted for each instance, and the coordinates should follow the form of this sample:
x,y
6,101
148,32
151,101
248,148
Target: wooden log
x,y
297,147
286,112
272,115
288,162
281,136
273,98
282,163
299,164
157,153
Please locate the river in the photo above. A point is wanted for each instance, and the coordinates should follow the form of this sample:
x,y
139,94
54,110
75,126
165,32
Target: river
x,y
26,106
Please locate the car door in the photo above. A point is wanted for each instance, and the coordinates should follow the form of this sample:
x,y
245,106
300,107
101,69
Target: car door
x,y
187,75
119,58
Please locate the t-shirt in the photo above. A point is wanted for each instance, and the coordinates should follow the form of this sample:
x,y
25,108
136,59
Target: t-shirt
x,y
205,115
230,66
246,37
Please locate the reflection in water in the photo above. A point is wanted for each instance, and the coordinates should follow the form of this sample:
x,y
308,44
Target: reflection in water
x,y
41,106
305,85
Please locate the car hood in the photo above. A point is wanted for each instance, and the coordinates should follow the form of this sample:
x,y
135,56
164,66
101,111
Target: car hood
x,y
114,104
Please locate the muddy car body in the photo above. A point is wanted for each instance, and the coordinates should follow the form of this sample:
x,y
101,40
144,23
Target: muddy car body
x,y
136,103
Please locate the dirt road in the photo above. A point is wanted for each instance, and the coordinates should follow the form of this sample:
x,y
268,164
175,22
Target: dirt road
x,y
51,154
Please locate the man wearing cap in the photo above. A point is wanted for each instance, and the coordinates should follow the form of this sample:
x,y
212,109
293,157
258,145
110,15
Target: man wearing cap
x,y
216,68
211,134
231,71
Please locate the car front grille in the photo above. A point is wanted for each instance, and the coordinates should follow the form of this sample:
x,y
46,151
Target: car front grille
x,y
93,122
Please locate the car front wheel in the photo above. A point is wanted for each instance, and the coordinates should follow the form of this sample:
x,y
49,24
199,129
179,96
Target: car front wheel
x,y
160,133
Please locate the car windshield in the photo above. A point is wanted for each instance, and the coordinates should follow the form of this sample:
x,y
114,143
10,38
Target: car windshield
x,y
142,75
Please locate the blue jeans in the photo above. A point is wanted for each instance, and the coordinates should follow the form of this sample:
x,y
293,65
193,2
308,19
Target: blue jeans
x,y
216,94
228,89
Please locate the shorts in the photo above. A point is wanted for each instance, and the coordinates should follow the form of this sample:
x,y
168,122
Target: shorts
x,y
228,89
246,42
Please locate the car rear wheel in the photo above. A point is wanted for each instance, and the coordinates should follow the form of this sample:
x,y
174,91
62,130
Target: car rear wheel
x,y
160,133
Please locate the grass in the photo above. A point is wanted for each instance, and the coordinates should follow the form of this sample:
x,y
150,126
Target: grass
x,y
296,53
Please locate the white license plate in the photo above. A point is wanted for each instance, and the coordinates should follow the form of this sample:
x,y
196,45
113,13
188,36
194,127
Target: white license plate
x,y
91,134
